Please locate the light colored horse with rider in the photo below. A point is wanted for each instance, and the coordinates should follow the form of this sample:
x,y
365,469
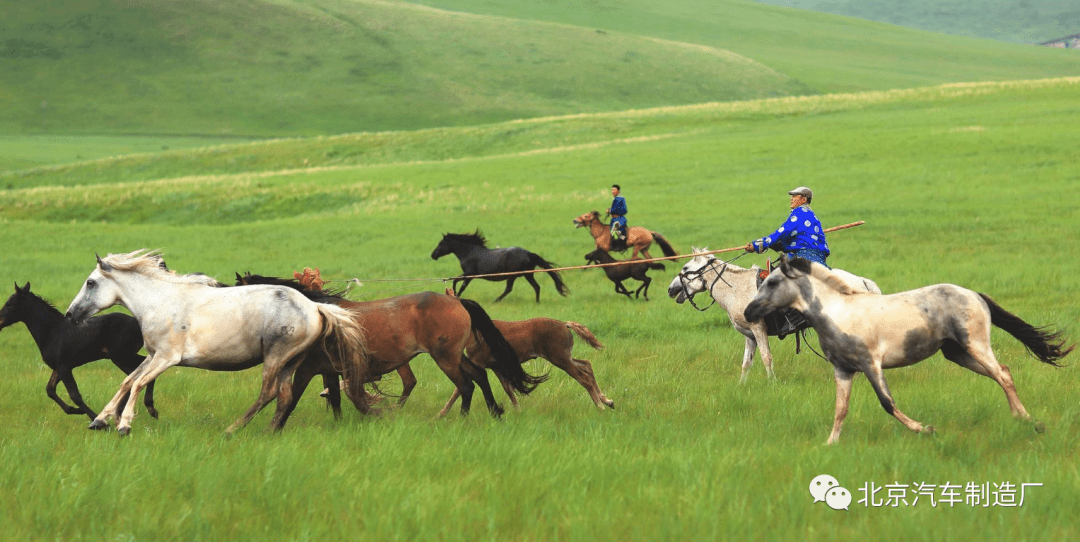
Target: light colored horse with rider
x,y
733,287
188,320
862,333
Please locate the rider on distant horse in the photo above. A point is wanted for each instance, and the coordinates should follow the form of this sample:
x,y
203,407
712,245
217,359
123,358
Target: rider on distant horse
x,y
800,235
618,217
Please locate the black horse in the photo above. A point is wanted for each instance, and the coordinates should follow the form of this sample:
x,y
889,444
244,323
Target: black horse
x,y
619,273
65,345
476,259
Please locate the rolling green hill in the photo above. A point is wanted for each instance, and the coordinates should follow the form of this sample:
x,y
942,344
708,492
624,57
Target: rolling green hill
x,y
825,52
260,68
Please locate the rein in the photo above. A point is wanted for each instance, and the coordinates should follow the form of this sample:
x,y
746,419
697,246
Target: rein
x,y
700,273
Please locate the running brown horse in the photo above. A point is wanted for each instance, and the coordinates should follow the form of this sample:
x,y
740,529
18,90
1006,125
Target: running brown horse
x,y
403,327
638,237
545,338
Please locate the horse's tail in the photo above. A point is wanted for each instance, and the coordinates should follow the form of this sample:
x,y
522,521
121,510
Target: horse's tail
x,y
560,286
506,362
584,333
665,246
1044,343
345,346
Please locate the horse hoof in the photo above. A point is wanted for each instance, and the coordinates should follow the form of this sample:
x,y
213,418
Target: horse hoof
x,y
123,431
152,412
611,405
97,425
1040,427
928,430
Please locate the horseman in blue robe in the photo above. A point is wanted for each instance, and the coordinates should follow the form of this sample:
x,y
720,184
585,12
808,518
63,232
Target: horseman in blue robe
x,y
800,236
618,216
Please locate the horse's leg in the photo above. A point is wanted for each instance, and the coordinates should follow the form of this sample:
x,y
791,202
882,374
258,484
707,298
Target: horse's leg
x,y
981,360
50,390
747,358
479,375
881,388
450,403
588,377
148,400
620,289
127,363
509,391
451,366
408,382
581,371
119,400
510,286
289,393
646,280
535,286
267,393
843,398
761,337
464,284
73,391
146,376
332,393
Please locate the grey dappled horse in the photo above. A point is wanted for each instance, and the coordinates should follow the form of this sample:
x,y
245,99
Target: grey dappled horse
x,y
863,333
733,287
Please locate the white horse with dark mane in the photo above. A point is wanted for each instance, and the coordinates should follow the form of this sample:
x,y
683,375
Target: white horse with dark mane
x,y
733,287
862,333
188,320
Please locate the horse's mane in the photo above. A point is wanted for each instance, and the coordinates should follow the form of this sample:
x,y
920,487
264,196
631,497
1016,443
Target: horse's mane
x,y
318,296
152,264
46,302
826,275
475,238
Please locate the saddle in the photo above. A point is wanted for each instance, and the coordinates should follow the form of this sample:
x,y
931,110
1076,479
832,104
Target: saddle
x,y
783,322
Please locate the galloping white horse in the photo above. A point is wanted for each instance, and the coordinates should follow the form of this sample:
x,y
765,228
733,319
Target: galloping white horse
x,y
863,333
186,320
733,287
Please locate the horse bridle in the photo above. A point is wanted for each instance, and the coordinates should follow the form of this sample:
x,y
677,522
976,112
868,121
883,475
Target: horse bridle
x,y
683,276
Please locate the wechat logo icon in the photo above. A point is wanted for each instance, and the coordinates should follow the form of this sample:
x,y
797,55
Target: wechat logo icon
x,y
825,488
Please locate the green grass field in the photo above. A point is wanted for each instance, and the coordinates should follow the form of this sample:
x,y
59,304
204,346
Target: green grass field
x,y
969,184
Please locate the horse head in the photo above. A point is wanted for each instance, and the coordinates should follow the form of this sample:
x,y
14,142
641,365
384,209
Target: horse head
x,y
442,249
7,312
586,219
690,282
98,293
593,257
784,288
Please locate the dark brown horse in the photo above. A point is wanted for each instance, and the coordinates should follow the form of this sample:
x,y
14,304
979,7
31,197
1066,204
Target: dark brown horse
x,y
619,273
403,327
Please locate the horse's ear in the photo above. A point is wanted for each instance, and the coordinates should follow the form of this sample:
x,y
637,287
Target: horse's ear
x,y
239,279
104,266
25,288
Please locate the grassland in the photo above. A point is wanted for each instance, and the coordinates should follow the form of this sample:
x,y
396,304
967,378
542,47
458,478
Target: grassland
x,y
971,184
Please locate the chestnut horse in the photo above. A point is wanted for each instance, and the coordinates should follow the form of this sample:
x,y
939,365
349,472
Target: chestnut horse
x,y
545,338
639,238
406,326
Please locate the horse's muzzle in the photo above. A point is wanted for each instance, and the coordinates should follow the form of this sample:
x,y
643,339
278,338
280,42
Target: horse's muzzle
x,y
677,292
755,311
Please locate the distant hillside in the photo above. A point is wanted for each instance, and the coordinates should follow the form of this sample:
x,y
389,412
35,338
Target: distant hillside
x,y
307,67
825,52
1019,21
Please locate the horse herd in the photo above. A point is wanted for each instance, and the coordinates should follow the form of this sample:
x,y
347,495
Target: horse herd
x,y
297,330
